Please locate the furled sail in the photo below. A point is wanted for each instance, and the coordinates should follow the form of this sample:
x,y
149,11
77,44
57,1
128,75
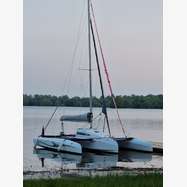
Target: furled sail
x,y
78,118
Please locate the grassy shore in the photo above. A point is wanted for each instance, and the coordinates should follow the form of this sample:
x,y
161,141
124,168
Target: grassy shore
x,y
149,180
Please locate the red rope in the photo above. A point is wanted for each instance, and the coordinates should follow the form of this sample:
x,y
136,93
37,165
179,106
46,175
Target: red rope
x,y
106,71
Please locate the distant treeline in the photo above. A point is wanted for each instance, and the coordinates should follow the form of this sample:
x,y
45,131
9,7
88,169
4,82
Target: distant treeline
x,y
133,101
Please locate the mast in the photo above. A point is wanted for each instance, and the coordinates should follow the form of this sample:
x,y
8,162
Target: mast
x,y
104,110
89,58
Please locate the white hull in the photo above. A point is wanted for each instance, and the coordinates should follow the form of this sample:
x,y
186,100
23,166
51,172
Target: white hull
x,y
58,144
105,144
94,140
135,144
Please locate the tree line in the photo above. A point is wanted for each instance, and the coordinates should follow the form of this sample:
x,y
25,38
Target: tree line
x,y
132,101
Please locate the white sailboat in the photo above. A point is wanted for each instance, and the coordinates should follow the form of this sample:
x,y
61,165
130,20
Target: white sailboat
x,y
89,138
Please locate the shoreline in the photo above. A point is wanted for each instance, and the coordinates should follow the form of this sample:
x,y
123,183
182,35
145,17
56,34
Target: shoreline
x,y
58,173
93,107
111,170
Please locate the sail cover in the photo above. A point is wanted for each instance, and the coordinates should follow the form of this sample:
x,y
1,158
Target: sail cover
x,y
87,117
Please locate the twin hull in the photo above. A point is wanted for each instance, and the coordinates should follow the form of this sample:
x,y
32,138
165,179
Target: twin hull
x,y
104,144
99,144
134,144
58,144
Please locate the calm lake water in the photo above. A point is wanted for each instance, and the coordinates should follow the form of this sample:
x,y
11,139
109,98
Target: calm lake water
x,y
145,124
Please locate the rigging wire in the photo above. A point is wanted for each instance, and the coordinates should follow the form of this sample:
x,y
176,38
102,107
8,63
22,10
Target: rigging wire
x,y
104,125
106,71
68,82
51,118
99,116
75,51
98,122
80,64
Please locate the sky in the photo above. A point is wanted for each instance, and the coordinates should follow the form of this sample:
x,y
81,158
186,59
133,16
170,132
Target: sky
x,y
55,54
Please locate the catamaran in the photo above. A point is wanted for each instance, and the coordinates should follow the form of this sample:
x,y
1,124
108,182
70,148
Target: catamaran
x,y
90,138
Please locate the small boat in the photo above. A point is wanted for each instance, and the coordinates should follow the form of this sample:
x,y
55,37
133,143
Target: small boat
x,y
57,144
89,138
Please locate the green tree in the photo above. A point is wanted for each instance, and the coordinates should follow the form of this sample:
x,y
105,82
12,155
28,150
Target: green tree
x,y
133,101
119,101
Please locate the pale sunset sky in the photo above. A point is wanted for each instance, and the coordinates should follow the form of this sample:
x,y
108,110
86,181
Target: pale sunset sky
x,y
131,36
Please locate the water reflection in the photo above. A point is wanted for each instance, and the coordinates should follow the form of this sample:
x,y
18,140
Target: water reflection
x,y
63,158
91,160
134,156
95,161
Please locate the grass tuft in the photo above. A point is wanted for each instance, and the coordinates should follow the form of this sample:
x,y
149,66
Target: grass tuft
x,y
149,180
